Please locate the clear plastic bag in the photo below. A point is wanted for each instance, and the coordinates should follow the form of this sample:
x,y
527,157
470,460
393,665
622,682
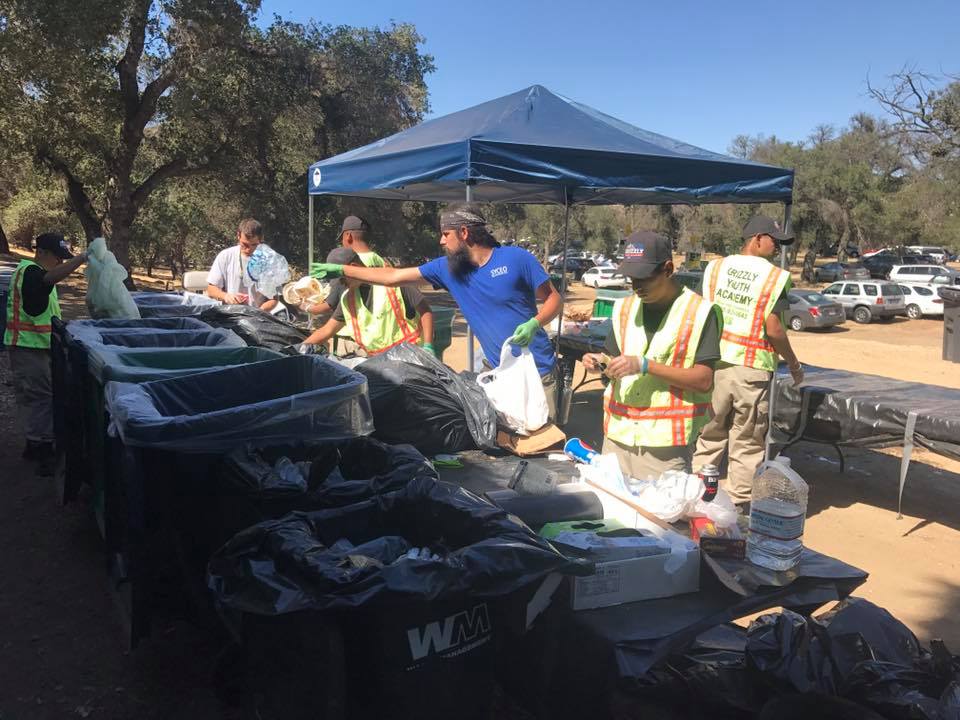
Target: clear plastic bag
x,y
268,269
107,296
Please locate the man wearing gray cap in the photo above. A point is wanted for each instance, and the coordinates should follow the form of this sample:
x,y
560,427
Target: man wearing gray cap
x,y
750,292
497,288
378,317
660,352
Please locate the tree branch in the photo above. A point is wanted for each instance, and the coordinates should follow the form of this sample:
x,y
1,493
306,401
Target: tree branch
x,y
177,168
129,65
79,199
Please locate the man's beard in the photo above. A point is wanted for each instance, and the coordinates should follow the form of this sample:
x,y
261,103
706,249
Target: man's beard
x,y
459,263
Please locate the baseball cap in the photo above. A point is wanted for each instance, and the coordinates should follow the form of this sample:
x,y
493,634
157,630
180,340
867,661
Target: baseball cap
x,y
354,223
342,256
462,214
54,243
643,252
763,225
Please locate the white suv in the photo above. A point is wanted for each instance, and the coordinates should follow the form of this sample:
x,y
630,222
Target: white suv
x,y
923,274
937,253
864,301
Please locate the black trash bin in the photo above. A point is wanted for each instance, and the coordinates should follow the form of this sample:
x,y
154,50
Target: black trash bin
x,y
951,322
167,438
411,580
171,304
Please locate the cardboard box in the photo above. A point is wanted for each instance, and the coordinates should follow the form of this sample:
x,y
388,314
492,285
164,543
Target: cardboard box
x,y
644,578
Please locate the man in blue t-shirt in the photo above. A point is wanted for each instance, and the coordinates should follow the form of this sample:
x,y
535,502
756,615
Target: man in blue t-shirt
x,y
497,288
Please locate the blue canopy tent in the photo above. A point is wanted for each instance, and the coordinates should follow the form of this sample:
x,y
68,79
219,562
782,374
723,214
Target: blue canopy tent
x,y
534,146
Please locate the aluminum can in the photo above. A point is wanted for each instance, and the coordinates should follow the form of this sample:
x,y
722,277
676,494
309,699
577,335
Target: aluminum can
x,y
710,476
579,451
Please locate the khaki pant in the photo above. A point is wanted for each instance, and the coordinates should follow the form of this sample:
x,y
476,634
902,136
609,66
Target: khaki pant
x,y
739,427
642,463
33,389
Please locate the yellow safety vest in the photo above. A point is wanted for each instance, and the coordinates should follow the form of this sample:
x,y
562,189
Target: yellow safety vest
x,y
382,325
642,410
23,330
745,288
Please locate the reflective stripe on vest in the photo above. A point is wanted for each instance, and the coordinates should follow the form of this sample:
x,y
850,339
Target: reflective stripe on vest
x,y
674,343
23,330
744,339
380,335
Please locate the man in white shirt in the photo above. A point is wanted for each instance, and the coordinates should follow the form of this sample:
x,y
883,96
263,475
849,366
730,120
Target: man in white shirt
x,y
228,280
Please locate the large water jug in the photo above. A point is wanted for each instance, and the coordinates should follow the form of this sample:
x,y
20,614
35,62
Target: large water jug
x,y
778,508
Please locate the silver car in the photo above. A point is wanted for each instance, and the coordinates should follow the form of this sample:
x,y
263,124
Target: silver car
x,y
810,309
864,301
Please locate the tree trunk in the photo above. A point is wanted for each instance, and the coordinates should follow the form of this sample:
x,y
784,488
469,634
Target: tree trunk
x,y
4,245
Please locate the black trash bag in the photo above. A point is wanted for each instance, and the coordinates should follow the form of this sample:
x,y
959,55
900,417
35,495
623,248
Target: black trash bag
x,y
860,652
417,399
257,328
354,556
257,483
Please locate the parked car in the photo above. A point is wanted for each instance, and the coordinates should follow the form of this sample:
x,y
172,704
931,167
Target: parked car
x,y
921,300
880,265
840,271
924,274
938,254
915,259
575,267
864,301
603,277
810,309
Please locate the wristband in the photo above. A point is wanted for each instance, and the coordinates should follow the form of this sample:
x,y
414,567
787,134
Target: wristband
x,y
644,365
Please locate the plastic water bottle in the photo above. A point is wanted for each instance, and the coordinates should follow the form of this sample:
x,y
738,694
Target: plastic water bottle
x,y
778,509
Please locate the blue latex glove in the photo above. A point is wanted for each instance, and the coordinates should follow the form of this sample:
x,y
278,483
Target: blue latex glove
x,y
323,271
524,333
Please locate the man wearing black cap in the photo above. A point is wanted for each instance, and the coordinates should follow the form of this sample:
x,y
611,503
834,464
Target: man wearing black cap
x,y
31,306
497,288
378,317
750,292
663,343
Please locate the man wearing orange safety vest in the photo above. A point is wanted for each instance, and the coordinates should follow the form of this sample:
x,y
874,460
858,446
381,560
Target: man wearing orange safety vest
x,y
31,306
378,317
663,343
750,292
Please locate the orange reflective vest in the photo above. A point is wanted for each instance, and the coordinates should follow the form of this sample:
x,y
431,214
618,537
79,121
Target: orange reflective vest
x,y
642,410
23,330
745,288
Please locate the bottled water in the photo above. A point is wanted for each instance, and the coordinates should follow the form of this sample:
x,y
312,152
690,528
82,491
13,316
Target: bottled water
x,y
778,509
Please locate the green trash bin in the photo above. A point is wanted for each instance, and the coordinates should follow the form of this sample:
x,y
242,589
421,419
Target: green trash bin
x,y
107,363
603,304
442,329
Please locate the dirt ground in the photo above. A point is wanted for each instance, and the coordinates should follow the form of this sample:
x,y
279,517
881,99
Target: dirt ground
x,y
62,653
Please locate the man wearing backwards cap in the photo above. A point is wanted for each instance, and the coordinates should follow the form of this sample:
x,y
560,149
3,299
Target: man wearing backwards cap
x,y
663,342
31,305
497,288
750,292
378,317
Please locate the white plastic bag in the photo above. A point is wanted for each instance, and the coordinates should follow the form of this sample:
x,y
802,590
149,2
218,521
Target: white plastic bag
x,y
516,391
107,296
675,495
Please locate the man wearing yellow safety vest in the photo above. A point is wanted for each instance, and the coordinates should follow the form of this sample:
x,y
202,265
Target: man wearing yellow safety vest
x,y
31,305
378,317
354,234
663,343
750,292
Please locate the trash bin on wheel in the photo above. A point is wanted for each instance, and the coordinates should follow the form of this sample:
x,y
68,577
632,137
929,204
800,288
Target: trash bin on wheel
x,y
171,304
411,580
951,322
166,440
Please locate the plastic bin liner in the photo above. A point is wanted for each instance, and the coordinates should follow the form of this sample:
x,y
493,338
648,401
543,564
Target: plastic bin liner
x,y
83,329
185,304
417,399
254,326
170,338
862,653
357,556
305,396
111,362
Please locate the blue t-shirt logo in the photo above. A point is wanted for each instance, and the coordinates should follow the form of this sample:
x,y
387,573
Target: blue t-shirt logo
x,y
497,272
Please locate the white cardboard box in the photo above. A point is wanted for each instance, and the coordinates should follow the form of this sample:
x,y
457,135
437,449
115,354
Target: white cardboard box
x,y
646,578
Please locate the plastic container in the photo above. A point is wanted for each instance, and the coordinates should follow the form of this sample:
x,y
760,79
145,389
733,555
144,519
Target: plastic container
x,y
166,440
951,323
604,301
778,510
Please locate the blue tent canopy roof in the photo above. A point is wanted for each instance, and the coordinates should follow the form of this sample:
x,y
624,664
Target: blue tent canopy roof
x,y
534,146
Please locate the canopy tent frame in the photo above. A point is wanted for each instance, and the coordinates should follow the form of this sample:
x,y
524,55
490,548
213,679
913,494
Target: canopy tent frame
x,y
539,148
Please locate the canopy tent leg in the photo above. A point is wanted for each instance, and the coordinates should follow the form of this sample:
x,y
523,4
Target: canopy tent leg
x,y
309,233
470,359
563,407
772,403
563,267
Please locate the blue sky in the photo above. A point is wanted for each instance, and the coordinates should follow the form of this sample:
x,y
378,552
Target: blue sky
x,y
701,72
